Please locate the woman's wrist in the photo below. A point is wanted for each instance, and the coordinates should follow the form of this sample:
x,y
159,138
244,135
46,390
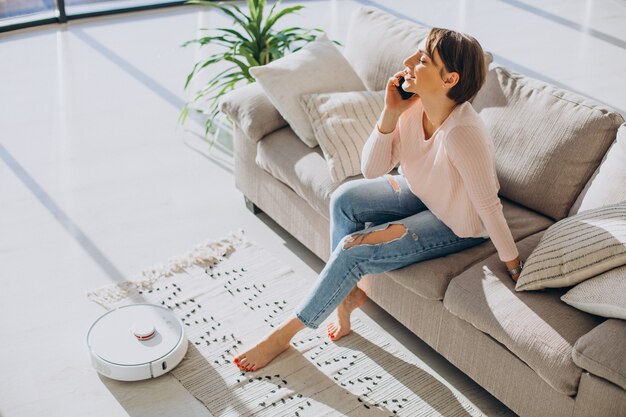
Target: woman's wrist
x,y
514,268
514,263
387,122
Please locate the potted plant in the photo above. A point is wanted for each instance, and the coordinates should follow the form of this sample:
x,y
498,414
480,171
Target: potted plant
x,y
251,41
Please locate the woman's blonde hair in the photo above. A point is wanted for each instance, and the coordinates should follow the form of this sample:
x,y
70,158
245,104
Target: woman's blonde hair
x,y
460,53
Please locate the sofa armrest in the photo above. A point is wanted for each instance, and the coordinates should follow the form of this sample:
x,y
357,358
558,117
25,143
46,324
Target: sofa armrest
x,y
250,109
602,351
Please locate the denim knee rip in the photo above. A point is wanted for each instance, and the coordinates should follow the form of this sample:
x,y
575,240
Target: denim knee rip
x,y
362,238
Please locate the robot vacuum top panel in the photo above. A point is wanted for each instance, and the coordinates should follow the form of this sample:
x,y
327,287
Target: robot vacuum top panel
x,y
134,335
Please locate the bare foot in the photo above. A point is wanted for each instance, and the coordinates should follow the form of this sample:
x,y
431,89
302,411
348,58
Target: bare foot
x,y
341,326
270,347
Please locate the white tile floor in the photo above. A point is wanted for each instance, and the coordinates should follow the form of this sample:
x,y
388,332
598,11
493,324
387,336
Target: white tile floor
x,y
97,180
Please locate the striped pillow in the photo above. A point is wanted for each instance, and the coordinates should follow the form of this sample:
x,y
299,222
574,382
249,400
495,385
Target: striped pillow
x,y
577,248
342,122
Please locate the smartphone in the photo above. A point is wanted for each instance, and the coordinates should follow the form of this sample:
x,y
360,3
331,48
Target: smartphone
x,y
404,94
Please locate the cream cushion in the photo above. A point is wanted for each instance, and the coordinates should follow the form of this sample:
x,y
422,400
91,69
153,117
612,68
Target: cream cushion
x,y
342,122
318,67
608,184
250,109
577,248
603,295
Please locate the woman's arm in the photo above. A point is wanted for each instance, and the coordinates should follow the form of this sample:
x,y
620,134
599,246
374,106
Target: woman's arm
x,y
469,152
382,150
380,153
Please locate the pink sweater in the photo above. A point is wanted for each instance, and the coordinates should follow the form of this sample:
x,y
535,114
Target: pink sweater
x,y
453,173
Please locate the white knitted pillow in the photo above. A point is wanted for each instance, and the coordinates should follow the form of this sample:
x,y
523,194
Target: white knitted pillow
x,y
604,295
577,248
342,123
319,67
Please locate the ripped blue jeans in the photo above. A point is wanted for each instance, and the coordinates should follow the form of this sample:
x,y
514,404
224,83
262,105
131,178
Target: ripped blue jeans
x,y
401,231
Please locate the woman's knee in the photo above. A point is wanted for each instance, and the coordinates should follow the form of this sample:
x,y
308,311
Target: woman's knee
x,y
377,236
349,194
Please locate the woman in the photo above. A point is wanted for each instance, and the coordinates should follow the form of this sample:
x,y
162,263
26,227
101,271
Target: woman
x,y
445,201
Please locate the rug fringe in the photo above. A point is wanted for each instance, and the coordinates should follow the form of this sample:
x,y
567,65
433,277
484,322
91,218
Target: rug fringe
x,y
206,255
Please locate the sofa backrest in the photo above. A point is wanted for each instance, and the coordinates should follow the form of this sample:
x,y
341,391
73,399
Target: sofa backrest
x,y
377,43
608,184
548,141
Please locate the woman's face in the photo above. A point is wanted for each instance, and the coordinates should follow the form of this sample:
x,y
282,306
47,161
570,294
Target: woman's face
x,y
423,72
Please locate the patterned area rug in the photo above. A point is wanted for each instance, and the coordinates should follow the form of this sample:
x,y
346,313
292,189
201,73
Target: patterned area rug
x,y
229,293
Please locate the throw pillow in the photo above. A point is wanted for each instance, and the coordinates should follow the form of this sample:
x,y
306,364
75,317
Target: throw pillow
x,y
603,295
342,123
318,67
577,248
249,108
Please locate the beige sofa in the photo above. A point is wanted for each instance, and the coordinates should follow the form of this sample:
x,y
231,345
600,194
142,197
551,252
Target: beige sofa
x,y
536,354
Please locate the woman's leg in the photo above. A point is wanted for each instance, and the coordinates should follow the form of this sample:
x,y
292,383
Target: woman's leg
x,y
382,248
377,200
352,204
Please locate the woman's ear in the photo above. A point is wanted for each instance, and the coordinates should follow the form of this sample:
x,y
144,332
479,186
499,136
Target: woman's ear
x,y
451,79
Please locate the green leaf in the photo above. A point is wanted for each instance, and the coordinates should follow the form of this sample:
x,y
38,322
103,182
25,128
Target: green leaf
x,y
235,33
269,16
252,62
272,21
203,64
183,115
230,58
224,9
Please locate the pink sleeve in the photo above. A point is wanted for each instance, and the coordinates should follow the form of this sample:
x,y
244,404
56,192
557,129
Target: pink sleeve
x,y
381,153
470,153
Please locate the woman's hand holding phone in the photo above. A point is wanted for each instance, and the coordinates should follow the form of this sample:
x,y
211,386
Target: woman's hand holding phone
x,y
393,97
395,105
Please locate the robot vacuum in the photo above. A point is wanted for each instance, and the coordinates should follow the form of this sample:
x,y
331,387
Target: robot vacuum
x,y
137,341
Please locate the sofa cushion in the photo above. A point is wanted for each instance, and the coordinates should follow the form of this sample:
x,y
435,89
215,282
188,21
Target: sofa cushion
x,y
603,295
548,141
577,248
430,279
250,109
289,160
602,351
301,168
319,67
536,326
377,42
342,123
608,183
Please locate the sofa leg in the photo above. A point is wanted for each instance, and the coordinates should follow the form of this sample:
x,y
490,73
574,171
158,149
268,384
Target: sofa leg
x,y
251,206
